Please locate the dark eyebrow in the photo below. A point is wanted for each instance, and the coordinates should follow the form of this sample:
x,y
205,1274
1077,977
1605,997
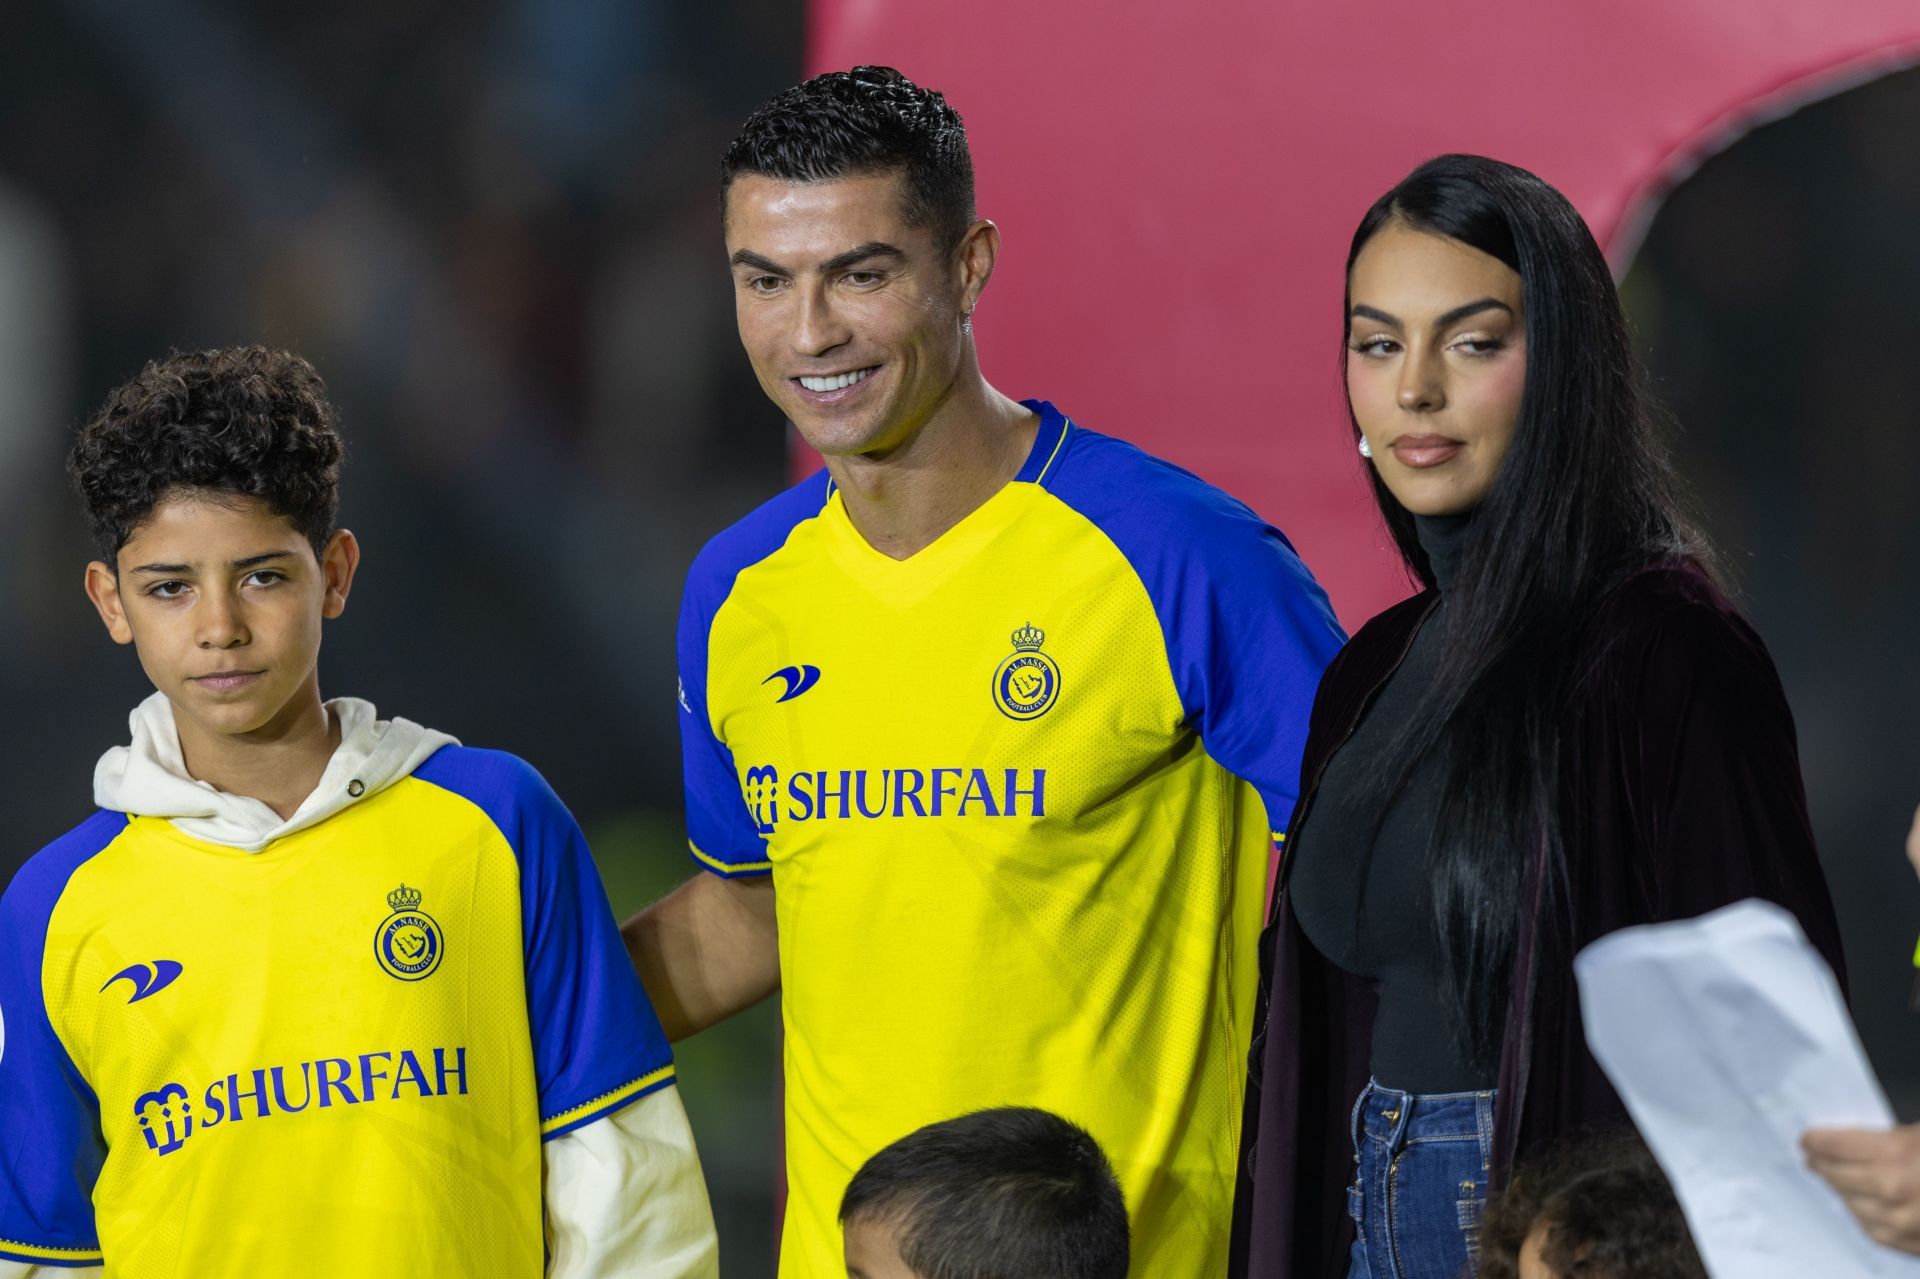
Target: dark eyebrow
x,y
871,249
1454,316
251,561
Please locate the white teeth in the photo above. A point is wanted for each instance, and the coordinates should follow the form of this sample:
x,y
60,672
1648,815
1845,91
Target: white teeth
x,y
838,382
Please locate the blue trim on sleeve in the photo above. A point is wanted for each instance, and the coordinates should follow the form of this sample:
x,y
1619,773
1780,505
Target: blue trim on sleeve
x,y
1248,631
594,1032
51,1263
595,1111
718,823
51,1149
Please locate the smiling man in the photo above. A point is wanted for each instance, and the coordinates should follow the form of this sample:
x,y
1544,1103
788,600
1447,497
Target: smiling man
x,y
985,726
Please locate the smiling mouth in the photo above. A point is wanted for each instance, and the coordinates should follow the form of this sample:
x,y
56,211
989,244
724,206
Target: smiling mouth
x,y
837,381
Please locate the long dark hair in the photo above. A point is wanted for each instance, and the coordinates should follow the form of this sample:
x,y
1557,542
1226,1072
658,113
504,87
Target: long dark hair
x,y
1583,497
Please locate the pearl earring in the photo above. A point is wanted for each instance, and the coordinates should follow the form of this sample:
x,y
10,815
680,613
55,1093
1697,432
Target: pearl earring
x,y
1366,449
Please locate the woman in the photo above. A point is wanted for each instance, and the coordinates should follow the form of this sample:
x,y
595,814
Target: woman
x,y
1569,730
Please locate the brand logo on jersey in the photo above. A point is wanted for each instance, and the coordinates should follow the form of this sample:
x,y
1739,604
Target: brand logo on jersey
x,y
166,1117
147,980
408,942
798,679
1026,685
873,793
762,790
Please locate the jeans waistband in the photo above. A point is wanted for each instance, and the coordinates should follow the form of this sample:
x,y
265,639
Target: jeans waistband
x,y
1396,1119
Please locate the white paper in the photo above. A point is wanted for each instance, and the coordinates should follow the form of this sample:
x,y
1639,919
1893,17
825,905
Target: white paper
x,y
1727,1038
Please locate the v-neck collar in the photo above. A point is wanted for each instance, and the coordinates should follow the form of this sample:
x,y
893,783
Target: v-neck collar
x,y
933,563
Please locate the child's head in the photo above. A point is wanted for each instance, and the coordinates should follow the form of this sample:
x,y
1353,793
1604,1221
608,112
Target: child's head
x,y
1601,1209
1013,1193
212,483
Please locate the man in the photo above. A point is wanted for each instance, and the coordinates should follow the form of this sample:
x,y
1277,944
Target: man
x,y
967,716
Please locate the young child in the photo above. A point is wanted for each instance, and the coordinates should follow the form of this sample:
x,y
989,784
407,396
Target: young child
x,y
312,992
1601,1210
1013,1193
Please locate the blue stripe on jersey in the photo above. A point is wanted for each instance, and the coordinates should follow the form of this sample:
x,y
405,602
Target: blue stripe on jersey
x,y
50,1145
720,830
1247,629
594,1032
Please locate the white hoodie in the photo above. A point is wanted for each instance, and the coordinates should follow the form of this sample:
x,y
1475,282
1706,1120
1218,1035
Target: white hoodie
x,y
624,1195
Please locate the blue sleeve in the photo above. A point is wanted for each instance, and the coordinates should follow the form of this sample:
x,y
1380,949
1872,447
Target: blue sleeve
x,y
1248,630
722,832
51,1148
597,1043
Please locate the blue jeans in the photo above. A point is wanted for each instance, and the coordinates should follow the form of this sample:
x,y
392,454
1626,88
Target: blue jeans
x,y
1420,1182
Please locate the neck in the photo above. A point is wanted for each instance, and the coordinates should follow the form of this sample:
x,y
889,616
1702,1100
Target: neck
x,y
278,764
1443,538
903,498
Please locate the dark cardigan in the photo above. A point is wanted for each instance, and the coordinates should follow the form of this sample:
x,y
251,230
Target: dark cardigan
x,y
1680,793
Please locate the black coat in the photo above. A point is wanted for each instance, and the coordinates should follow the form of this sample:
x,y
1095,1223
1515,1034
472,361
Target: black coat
x,y
1680,793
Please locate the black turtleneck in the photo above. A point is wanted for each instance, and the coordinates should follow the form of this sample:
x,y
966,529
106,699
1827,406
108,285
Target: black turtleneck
x,y
1374,917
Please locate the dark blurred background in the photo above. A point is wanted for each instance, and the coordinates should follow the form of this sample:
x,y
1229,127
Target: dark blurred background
x,y
493,226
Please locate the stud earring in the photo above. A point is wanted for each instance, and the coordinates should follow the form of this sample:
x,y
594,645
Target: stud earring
x,y
1366,449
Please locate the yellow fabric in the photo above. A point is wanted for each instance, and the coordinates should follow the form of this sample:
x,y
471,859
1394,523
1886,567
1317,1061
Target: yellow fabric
x,y
1095,958
435,1162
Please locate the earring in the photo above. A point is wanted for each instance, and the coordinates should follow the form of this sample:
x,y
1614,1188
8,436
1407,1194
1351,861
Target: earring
x,y
966,322
1366,449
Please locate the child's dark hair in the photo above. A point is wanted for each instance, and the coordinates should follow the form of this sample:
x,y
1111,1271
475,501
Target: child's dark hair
x,y
1608,1213
997,1194
246,421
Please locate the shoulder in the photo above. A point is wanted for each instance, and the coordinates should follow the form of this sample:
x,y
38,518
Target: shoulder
x,y
1669,637
1381,640
753,538
1670,613
38,885
1114,483
510,791
1164,518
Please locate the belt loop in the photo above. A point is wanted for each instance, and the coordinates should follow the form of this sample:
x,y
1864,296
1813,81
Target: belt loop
x,y
1359,1109
1400,1123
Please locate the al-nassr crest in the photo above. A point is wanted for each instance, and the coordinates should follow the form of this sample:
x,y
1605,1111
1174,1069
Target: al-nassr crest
x,y
408,943
1026,684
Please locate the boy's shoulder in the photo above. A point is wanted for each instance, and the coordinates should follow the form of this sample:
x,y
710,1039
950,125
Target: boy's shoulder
x,y
509,790
38,885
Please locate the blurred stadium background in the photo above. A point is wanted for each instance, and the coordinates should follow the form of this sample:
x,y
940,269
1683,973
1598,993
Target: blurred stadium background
x,y
493,226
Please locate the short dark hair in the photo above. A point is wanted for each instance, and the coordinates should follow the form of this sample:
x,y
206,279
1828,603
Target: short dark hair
x,y
997,1194
1608,1210
867,120
246,421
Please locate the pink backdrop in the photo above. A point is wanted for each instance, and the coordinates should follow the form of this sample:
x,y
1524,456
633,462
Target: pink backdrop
x,y
1176,184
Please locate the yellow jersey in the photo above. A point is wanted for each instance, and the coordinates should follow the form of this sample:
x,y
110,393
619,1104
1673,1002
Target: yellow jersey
x,y
1015,793
336,1056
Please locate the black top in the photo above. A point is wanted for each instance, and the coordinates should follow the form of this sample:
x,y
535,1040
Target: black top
x,y
1374,916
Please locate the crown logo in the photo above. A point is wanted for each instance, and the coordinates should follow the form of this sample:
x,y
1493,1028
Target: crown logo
x,y
403,898
1029,637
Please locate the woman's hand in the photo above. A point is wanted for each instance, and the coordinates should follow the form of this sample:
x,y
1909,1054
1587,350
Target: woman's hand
x,y
1877,1173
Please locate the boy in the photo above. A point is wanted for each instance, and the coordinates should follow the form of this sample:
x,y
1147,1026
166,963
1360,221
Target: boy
x,y
1012,1193
1600,1209
312,992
